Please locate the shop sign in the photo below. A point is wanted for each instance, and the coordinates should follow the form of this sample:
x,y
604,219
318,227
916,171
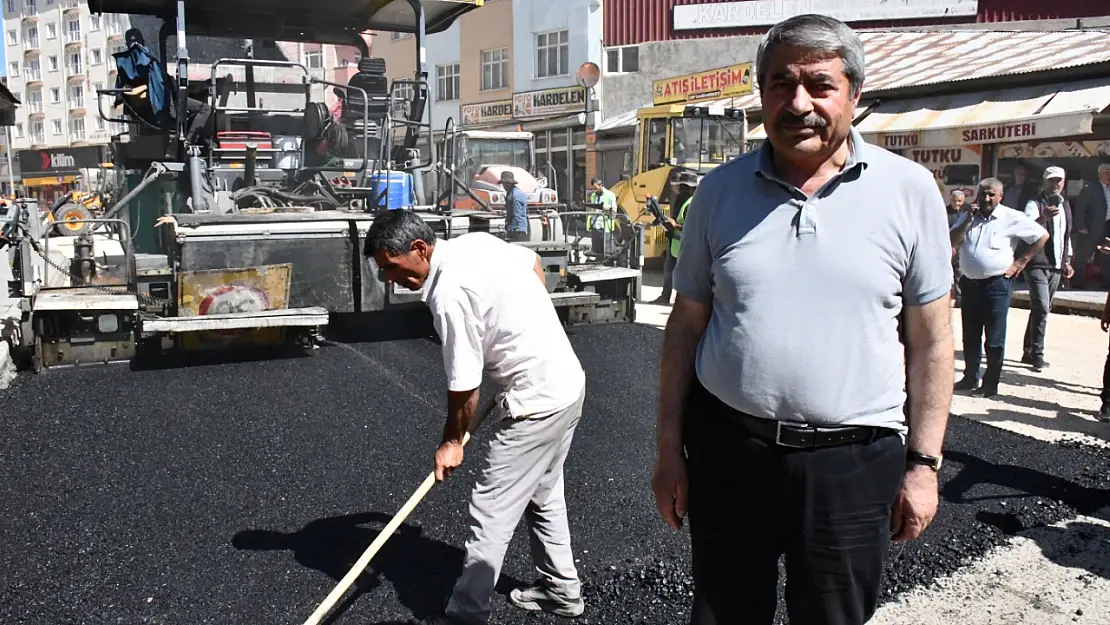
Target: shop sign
x,y
487,112
1055,149
1007,132
723,82
768,12
55,161
549,102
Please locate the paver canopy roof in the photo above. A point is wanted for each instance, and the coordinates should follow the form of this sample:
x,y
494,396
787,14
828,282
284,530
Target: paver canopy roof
x,y
329,21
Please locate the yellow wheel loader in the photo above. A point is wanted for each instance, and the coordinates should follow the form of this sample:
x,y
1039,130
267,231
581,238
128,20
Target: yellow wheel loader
x,y
672,138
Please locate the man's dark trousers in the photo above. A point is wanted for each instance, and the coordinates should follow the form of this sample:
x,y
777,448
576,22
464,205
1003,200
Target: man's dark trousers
x,y
1043,283
668,274
984,306
517,235
750,502
1106,382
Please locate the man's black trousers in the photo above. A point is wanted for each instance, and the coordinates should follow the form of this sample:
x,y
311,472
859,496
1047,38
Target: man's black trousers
x,y
984,308
826,509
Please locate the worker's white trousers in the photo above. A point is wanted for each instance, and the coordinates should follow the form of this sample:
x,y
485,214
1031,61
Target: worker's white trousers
x,y
523,474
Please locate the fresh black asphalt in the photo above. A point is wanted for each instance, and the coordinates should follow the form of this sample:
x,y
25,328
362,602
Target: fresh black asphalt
x,y
241,493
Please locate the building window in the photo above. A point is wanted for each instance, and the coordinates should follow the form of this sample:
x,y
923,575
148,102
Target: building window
x,y
73,31
19,130
31,70
73,66
13,69
553,54
94,22
52,63
96,56
77,129
624,60
314,59
55,95
76,96
30,4
11,6
31,37
51,31
447,82
37,136
13,38
34,101
57,126
495,69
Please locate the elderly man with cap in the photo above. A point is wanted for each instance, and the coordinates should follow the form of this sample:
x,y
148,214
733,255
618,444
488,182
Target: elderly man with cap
x,y
1092,212
987,236
516,208
1050,209
683,187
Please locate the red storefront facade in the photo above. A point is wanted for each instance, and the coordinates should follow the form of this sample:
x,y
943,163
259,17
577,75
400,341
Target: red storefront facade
x,y
630,22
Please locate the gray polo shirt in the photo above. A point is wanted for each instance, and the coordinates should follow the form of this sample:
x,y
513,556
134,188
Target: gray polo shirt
x,y
806,293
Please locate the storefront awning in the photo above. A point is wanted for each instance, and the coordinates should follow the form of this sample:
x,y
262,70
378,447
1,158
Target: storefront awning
x,y
1021,114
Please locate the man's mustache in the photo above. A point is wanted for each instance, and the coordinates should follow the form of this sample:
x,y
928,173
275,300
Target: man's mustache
x,y
809,120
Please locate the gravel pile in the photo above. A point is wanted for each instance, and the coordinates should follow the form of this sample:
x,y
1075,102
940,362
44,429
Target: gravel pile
x,y
243,492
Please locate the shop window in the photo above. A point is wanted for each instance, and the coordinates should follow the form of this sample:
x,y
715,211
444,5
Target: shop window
x,y
314,59
623,60
558,139
553,54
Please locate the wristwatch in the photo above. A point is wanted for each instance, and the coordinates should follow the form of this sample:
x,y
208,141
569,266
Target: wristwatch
x,y
933,462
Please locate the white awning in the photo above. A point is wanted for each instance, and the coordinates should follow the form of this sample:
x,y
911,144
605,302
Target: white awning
x,y
1008,115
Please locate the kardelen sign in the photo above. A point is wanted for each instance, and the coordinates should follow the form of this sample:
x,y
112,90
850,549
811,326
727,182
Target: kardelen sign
x,y
57,161
768,12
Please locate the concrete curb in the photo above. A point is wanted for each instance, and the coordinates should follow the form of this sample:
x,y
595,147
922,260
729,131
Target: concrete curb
x,y
7,367
1061,305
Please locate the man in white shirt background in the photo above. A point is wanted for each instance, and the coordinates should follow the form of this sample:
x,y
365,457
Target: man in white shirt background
x,y
1092,211
1050,209
987,236
492,312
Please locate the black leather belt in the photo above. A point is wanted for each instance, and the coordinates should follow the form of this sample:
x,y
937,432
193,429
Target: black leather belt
x,y
807,437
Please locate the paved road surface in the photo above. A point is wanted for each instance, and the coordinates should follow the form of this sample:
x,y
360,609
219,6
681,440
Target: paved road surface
x,y
240,493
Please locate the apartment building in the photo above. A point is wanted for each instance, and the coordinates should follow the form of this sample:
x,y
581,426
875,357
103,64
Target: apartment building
x,y
58,54
514,64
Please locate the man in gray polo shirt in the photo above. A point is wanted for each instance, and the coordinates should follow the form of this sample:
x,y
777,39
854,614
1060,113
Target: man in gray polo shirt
x,y
783,390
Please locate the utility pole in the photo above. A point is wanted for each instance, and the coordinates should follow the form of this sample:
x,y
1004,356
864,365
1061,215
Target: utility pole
x,y
11,170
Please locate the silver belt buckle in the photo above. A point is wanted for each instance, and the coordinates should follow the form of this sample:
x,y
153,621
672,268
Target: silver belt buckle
x,y
778,437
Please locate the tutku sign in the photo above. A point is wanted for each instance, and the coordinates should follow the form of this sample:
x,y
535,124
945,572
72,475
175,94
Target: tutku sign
x,y
59,161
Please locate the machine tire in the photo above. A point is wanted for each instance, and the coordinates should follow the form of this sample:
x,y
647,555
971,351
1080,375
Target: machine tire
x,y
70,211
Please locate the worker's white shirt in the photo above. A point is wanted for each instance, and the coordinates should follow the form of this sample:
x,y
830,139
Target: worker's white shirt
x,y
493,314
1059,224
988,248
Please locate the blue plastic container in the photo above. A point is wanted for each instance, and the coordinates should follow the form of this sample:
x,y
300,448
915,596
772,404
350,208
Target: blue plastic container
x,y
400,192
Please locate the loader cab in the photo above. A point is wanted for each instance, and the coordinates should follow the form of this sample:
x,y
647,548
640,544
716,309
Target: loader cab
x,y
693,137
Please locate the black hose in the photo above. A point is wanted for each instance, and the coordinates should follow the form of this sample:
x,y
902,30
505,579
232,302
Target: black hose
x,y
275,197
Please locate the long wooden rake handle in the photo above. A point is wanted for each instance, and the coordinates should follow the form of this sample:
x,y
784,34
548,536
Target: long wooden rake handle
x,y
364,560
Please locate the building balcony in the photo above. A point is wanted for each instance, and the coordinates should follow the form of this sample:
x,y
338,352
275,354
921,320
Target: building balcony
x,y
114,37
71,6
74,39
31,47
35,116
33,79
75,75
30,16
77,109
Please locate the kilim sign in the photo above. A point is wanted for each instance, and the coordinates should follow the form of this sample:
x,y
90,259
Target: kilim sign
x,y
547,102
724,82
486,112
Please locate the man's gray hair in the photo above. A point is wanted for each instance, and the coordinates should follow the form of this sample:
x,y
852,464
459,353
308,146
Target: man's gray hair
x,y
993,183
819,33
957,193
1104,167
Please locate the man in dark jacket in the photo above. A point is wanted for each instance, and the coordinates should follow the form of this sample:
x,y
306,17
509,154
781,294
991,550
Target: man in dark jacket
x,y
1092,210
1043,273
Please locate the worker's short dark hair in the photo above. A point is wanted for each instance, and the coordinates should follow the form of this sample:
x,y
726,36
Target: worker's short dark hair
x,y
594,181
394,231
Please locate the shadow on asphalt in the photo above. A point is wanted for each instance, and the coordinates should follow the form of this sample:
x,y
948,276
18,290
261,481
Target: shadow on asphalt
x,y
1077,545
1032,483
421,571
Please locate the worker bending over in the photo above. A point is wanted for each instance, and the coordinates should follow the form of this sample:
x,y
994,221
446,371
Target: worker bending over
x,y
492,312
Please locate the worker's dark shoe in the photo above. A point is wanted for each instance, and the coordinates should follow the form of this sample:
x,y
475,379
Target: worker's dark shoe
x,y
1104,414
541,597
987,390
443,619
1039,363
966,384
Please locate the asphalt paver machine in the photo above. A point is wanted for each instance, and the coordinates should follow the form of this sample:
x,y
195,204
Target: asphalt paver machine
x,y
267,196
